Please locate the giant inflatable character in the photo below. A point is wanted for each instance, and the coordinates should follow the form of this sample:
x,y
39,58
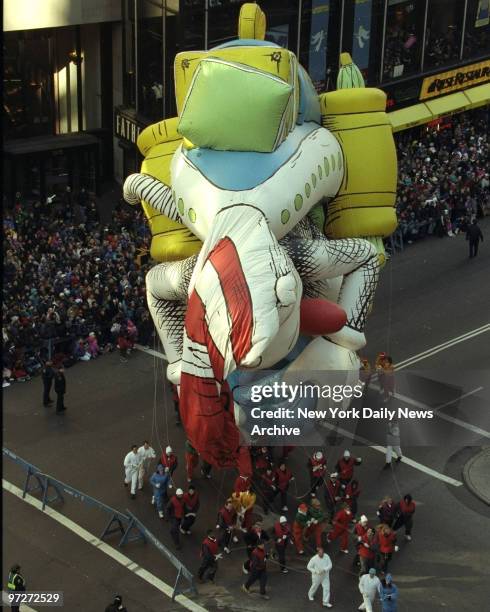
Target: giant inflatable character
x,y
267,205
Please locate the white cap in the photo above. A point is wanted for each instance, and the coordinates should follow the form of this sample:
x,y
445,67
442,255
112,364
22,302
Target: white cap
x,y
179,492
168,449
318,455
363,519
283,519
333,475
346,454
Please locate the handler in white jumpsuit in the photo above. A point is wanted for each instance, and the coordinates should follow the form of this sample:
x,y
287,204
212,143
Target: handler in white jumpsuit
x,y
132,463
368,585
147,454
320,566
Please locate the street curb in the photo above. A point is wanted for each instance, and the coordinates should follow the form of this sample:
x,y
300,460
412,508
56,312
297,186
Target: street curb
x,y
470,479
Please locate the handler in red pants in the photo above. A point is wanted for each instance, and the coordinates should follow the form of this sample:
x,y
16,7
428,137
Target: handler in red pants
x,y
341,527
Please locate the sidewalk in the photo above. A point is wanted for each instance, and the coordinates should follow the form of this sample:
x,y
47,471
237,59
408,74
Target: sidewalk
x,y
476,475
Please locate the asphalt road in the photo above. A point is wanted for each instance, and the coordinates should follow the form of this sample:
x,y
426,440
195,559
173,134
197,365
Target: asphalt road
x,y
428,294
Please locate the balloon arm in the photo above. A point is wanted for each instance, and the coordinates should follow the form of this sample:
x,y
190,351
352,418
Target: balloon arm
x,y
138,187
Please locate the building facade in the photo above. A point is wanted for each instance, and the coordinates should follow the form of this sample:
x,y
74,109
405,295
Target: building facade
x,y
104,68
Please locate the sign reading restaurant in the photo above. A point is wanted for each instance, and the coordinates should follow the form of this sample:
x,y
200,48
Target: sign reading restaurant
x,y
126,126
454,80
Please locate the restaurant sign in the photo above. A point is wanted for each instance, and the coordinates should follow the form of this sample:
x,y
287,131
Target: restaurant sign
x,y
455,80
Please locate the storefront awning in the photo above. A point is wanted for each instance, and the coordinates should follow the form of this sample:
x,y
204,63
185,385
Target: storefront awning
x,y
478,96
434,109
410,117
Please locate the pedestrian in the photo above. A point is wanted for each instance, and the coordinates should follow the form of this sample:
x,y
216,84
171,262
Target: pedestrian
x,y
387,380
16,584
60,390
191,507
332,494
345,468
175,513
191,460
210,557
388,593
159,481
284,477
268,489
365,375
116,605
405,509
226,522
320,566
340,529
317,520
48,377
132,464
300,525
386,540
317,465
360,530
255,535
367,551
351,495
474,236
146,453
368,586
263,460
386,511
393,443
258,571
282,537
170,461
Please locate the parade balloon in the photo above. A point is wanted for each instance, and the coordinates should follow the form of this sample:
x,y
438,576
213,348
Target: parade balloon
x,y
268,205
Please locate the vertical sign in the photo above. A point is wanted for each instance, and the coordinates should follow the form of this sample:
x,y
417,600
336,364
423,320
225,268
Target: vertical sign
x,y
317,61
362,33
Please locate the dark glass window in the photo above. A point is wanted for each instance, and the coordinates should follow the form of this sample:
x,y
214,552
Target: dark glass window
x,y
443,37
477,34
150,59
28,84
403,38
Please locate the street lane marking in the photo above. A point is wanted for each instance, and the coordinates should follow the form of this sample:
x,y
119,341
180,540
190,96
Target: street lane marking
x,y
82,533
150,351
442,347
445,417
382,449
459,398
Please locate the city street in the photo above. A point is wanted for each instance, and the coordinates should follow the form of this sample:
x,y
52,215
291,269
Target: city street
x,y
429,295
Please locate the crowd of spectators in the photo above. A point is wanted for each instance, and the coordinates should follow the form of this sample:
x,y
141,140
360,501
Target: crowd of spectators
x,y
73,288
443,176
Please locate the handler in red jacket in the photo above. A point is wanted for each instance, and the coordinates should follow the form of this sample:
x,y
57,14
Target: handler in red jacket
x,y
175,512
209,556
317,465
282,537
258,571
242,483
341,528
283,477
191,460
367,551
345,467
332,494
170,461
386,539
351,495
360,530
191,506
226,523
405,509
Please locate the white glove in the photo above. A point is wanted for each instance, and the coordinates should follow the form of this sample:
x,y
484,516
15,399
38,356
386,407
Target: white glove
x,y
396,548
170,486
218,527
218,556
284,537
158,486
